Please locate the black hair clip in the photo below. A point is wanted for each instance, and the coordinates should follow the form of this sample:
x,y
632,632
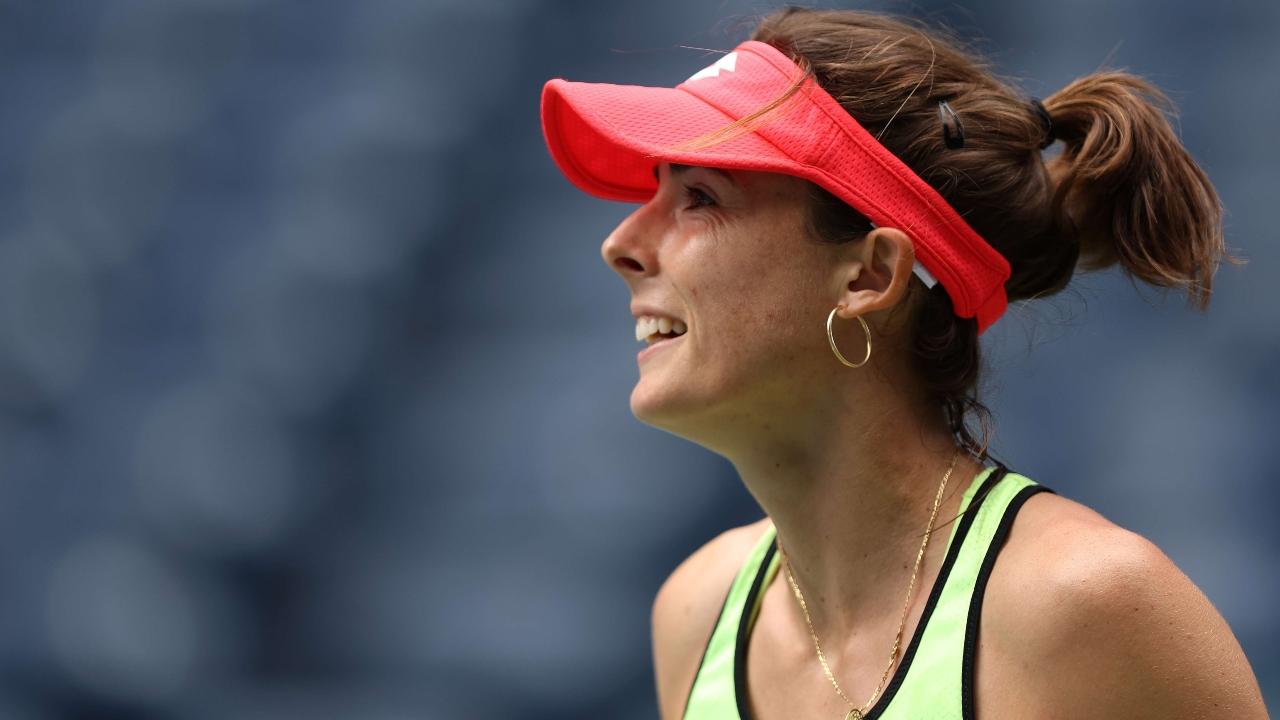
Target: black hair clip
x,y
952,130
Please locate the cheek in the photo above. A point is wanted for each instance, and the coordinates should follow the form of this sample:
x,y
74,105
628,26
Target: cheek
x,y
758,314
753,290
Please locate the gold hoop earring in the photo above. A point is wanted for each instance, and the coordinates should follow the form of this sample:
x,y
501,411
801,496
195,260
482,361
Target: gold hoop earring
x,y
832,339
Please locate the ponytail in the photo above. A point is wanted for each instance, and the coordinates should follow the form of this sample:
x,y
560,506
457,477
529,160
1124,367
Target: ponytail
x,y
1126,190
1123,189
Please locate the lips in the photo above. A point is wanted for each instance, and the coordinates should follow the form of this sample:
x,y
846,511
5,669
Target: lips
x,y
665,342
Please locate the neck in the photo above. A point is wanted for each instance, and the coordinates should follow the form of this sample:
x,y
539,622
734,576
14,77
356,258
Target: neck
x,y
851,500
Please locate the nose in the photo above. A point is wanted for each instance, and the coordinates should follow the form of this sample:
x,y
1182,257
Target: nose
x,y
631,249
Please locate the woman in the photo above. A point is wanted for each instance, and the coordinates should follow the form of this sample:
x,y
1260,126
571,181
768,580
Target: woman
x,y
857,171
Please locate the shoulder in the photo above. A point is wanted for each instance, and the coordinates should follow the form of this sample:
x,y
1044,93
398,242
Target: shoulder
x,y
1092,610
687,606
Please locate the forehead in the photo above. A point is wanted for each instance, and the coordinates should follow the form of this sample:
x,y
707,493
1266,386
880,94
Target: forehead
x,y
677,170
755,181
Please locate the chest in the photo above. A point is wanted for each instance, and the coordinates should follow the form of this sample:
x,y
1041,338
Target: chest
x,y
785,679
958,660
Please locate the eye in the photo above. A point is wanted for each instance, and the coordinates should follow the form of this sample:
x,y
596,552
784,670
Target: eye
x,y
698,197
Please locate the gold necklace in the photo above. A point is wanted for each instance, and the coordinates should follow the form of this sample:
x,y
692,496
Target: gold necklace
x,y
856,713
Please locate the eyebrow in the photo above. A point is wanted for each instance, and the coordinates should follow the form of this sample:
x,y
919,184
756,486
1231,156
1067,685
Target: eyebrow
x,y
678,169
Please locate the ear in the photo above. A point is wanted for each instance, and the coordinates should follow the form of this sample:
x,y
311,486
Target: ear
x,y
876,275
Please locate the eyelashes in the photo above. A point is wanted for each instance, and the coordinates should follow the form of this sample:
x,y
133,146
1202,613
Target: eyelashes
x,y
697,198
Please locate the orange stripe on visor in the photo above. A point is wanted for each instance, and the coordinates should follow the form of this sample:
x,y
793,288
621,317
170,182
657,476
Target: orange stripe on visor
x,y
608,138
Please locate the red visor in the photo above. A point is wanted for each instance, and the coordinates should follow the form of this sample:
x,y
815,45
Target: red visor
x,y
607,139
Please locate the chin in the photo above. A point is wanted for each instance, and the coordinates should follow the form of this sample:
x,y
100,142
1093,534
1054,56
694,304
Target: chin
x,y
653,408
663,404
671,407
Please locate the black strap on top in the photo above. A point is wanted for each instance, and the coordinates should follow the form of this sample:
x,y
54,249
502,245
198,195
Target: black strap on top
x,y
899,675
972,621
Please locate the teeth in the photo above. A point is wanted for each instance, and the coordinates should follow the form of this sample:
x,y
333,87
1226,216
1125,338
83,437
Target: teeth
x,y
647,325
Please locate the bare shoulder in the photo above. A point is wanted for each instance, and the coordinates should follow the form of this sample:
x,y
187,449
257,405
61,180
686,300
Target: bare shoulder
x,y
1088,609
687,607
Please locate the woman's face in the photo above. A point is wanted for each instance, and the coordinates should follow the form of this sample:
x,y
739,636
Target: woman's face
x,y
725,253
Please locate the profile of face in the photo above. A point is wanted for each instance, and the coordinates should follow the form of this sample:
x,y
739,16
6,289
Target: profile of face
x,y
726,253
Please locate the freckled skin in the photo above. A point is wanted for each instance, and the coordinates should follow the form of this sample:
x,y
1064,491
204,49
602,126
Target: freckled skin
x,y
754,293
1079,615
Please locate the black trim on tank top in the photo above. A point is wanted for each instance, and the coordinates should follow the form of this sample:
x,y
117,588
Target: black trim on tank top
x,y
900,673
979,589
739,657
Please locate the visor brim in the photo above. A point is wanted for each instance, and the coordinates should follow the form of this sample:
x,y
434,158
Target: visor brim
x,y
607,139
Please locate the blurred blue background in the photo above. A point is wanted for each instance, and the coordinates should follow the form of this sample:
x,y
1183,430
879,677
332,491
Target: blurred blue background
x,y
314,387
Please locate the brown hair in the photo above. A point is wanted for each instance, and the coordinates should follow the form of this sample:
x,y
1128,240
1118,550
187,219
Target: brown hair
x,y
1123,189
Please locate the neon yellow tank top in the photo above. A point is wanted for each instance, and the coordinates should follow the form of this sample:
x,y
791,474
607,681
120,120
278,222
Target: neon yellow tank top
x,y
934,678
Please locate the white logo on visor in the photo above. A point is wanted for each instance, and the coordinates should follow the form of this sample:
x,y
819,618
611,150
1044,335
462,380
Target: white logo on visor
x,y
727,62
